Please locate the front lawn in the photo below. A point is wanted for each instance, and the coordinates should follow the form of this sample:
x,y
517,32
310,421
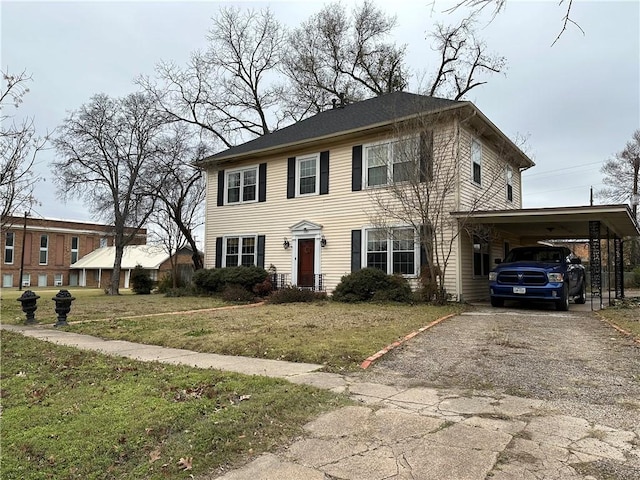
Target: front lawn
x,y
71,414
337,335
92,304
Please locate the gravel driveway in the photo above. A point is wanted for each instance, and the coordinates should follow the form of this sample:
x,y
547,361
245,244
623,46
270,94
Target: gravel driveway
x,y
579,365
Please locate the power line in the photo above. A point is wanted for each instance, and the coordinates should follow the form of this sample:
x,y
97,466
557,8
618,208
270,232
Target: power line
x,y
560,169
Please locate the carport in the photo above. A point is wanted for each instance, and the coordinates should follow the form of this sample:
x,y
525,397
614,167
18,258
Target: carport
x,y
613,223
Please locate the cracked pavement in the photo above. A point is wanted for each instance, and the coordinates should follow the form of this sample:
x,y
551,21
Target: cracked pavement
x,y
493,394
423,433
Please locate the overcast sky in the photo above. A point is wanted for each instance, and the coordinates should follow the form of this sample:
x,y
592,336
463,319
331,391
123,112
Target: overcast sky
x,y
578,101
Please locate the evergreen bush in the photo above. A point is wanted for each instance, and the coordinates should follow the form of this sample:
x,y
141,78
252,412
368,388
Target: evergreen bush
x,y
141,282
372,284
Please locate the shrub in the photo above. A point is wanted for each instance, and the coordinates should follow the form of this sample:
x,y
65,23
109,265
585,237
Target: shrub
x,y
166,283
372,284
208,280
247,277
398,290
428,290
141,282
263,289
295,295
216,279
236,294
179,292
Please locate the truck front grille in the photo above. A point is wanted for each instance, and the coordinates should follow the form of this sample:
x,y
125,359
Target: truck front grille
x,y
522,277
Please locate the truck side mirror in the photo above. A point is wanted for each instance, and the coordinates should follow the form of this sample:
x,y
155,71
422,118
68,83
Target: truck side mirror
x,y
497,261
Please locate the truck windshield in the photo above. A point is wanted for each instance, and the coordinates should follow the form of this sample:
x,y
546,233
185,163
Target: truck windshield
x,y
543,255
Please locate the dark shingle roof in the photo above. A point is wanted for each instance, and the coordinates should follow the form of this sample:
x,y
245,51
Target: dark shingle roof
x,y
359,115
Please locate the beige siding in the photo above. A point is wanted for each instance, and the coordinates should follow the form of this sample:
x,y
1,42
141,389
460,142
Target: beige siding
x,y
492,194
339,212
342,210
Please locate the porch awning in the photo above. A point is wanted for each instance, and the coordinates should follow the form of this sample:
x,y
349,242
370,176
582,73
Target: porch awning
x,y
566,223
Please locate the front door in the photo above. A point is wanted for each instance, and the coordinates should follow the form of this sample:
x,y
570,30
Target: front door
x,y
306,251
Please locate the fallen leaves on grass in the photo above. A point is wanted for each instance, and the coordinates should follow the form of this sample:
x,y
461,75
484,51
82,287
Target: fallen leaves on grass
x,y
154,455
186,463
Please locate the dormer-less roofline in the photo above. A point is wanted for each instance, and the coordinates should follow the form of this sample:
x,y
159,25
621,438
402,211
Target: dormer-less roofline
x,y
357,119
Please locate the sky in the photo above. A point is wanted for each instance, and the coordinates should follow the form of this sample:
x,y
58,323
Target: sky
x,y
577,102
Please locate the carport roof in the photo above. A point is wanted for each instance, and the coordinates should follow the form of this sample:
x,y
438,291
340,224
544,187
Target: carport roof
x,y
534,224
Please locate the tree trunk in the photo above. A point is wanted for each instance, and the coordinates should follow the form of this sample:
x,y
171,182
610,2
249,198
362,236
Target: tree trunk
x,y
114,284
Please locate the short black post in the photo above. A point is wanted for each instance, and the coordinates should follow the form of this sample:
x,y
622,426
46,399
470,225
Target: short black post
x,y
28,300
63,301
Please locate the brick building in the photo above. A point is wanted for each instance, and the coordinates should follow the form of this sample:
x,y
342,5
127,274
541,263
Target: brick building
x,y
50,247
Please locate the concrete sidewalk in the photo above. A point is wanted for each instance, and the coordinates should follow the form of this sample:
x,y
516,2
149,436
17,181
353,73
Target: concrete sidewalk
x,y
406,433
154,353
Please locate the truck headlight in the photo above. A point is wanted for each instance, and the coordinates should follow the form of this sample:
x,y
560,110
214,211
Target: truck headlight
x,y
493,276
555,277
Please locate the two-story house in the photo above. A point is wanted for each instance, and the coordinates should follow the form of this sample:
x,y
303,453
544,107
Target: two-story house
x,y
358,185
44,249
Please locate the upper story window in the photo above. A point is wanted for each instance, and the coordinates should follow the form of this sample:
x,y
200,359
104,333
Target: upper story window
x,y
44,249
241,185
9,244
390,162
509,181
75,249
476,162
393,252
239,251
308,178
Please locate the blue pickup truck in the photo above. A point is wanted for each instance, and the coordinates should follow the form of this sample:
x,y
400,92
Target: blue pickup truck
x,y
538,273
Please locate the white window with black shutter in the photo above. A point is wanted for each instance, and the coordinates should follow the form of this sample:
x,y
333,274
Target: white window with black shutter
x,y
240,250
384,163
242,185
394,251
308,175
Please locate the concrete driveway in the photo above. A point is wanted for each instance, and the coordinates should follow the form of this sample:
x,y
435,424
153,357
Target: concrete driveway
x,y
575,364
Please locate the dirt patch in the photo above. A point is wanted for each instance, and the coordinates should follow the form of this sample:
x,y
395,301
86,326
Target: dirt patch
x,y
577,363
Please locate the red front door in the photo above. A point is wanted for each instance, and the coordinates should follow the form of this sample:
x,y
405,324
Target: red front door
x,y
306,251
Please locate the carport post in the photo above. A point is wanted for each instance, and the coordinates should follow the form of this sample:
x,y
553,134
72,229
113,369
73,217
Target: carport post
x,y
595,260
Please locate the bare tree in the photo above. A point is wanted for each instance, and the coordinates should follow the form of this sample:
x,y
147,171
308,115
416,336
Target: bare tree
x,y
621,180
422,191
229,90
19,146
167,235
463,59
104,150
500,5
338,54
180,188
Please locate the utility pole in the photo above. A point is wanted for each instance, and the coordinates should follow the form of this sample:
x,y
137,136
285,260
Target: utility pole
x,y
24,236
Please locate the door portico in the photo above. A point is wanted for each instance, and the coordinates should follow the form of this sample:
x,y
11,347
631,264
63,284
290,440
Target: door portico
x,y
306,265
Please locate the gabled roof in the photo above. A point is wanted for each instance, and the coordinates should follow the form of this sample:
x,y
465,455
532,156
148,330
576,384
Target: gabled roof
x,y
379,110
150,257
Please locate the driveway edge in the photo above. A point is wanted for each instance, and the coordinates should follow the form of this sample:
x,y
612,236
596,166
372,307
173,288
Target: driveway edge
x,y
364,365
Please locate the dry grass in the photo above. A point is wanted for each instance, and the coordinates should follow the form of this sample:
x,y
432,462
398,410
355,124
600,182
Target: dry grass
x,y
337,335
93,304
625,314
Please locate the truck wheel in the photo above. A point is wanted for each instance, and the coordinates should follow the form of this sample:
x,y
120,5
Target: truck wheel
x,y
497,302
582,296
562,304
